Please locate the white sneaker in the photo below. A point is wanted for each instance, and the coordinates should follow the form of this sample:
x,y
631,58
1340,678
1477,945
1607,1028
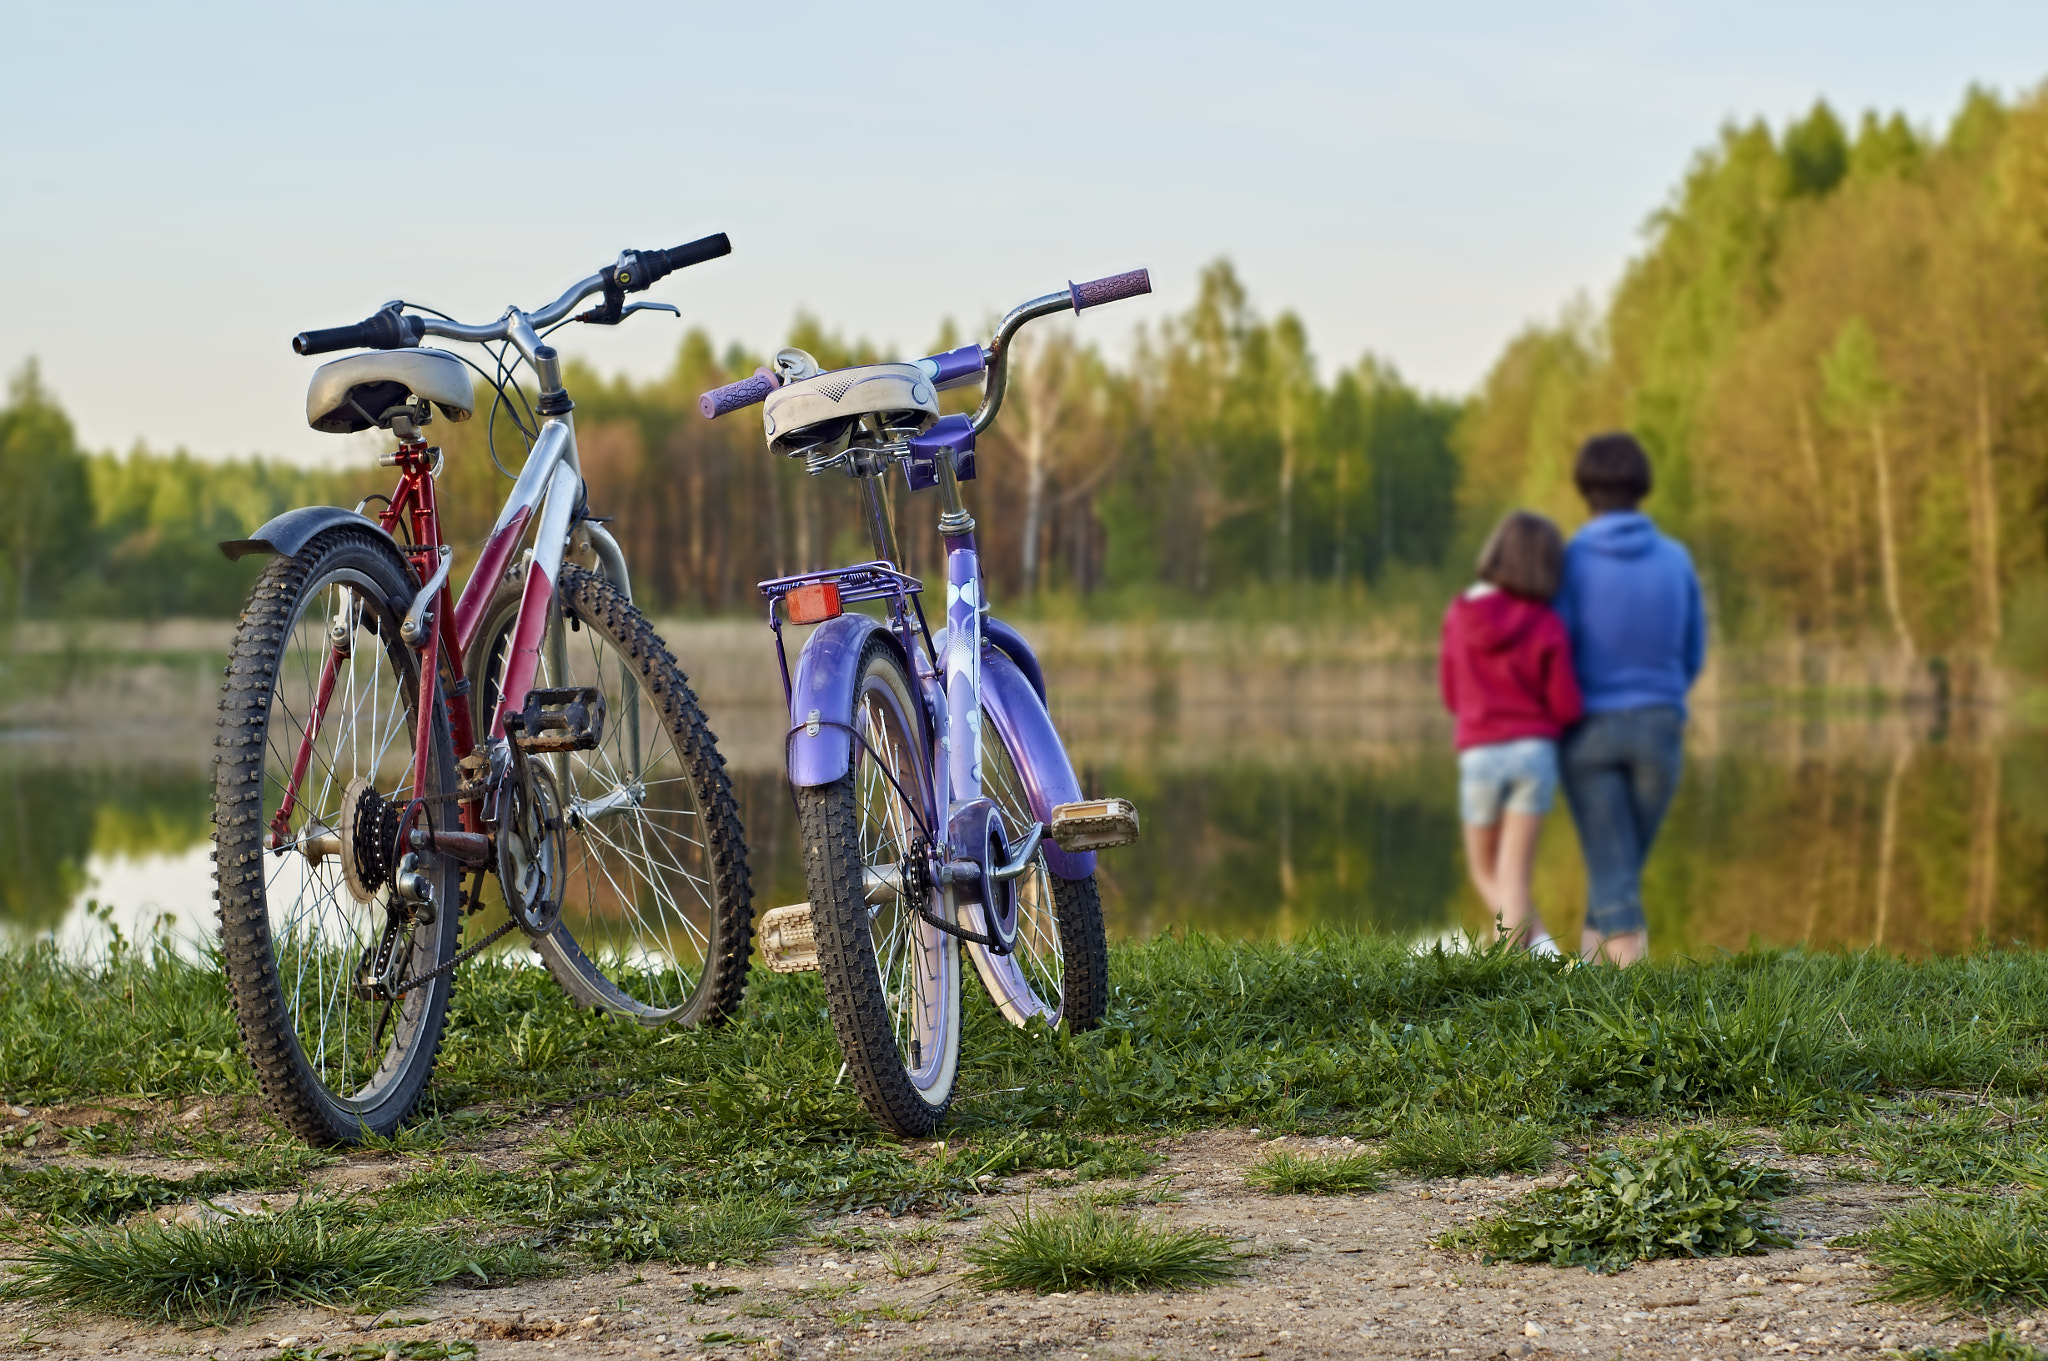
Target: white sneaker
x,y
1544,945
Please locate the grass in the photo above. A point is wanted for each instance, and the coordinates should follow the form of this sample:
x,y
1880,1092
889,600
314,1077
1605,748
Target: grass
x,y
733,1230
1970,1251
63,1195
312,1253
678,1141
1082,1246
1994,1346
1438,1145
1681,1197
1284,1172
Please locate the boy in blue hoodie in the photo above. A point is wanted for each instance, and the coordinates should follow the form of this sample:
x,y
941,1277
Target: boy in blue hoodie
x,y
1631,603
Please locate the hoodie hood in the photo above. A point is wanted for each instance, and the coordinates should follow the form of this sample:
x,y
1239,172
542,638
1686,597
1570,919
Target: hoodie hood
x,y
1495,621
1618,534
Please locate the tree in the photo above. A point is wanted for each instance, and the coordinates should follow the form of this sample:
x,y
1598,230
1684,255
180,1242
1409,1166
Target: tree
x,y
45,499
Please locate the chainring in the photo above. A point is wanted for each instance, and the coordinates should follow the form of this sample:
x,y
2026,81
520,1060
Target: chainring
x,y
533,848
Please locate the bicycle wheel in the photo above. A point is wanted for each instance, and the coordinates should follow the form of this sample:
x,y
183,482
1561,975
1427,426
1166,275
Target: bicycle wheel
x,y
892,979
657,904
1059,970
334,1061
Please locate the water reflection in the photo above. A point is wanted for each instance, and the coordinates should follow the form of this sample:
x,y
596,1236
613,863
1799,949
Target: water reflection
x,y
1839,830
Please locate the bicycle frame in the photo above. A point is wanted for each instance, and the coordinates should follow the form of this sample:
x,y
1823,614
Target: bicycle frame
x,y
551,484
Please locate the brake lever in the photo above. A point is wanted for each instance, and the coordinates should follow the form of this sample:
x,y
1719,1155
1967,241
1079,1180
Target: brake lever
x,y
669,308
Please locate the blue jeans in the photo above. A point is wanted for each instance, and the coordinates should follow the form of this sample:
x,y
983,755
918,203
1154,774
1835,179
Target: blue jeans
x,y
1620,770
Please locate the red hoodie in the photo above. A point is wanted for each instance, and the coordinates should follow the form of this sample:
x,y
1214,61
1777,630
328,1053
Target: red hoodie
x,y
1506,669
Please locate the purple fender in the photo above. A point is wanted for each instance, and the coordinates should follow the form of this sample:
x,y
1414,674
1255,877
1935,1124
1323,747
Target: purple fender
x,y
1017,650
1015,704
823,687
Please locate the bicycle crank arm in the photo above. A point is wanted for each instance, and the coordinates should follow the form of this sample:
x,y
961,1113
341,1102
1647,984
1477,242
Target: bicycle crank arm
x,y
1021,861
621,800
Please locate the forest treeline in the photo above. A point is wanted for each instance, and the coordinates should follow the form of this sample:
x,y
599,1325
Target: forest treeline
x,y
1832,342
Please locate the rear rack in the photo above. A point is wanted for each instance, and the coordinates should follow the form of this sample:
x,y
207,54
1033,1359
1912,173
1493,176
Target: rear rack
x,y
876,580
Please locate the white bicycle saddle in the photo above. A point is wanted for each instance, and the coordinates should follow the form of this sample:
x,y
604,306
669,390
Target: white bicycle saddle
x,y
822,410
356,393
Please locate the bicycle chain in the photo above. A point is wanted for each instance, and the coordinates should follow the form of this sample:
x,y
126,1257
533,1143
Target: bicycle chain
x,y
462,957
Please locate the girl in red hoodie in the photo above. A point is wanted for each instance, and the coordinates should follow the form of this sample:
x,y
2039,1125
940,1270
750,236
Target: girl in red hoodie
x,y
1506,672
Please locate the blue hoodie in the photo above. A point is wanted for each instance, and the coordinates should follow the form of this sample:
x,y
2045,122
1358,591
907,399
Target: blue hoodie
x,y
1631,603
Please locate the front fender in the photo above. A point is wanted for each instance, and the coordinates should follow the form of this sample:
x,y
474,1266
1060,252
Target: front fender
x,y
826,672
286,534
1013,705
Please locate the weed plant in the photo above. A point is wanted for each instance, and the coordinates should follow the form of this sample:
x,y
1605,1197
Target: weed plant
x,y
312,1253
1681,1197
1284,1172
1975,1252
1082,1246
1457,1145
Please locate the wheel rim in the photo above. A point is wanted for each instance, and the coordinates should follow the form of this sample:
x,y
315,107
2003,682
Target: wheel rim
x,y
356,1047
639,901
918,965
1030,980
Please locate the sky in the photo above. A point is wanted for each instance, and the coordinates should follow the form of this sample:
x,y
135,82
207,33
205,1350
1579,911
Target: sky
x,y
187,186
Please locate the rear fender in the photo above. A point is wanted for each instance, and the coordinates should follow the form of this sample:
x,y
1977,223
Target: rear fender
x,y
288,533
821,694
1014,706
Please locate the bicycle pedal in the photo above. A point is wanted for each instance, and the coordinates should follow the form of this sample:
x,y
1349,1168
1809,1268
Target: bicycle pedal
x,y
1094,824
788,945
567,719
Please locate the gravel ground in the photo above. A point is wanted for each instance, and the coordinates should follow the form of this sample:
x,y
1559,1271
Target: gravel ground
x,y
1335,1276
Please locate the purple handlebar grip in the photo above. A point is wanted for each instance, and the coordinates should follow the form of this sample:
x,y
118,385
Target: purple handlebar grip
x,y
733,396
957,366
1115,287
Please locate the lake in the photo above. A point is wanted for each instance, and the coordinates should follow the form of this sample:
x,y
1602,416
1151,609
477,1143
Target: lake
x,y
1277,797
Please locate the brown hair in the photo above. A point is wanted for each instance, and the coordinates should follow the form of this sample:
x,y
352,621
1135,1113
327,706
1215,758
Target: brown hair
x,y
1612,472
1524,555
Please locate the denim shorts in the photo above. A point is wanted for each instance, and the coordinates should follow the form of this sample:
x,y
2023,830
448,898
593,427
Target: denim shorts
x,y
1513,777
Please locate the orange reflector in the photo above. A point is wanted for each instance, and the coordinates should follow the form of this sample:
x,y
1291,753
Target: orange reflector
x,y
813,604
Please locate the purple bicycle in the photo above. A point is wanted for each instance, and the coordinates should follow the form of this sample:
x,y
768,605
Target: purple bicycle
x,y
938,806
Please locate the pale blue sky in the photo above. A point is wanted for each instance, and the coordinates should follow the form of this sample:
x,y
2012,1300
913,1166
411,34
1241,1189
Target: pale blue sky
x,y
187,186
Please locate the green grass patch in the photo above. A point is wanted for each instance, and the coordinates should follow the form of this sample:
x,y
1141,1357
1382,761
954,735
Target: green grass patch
x,y
1997,1345
734,1230
1682,1197
1284,1172
93,1195
313,1253
1082,1246
1449,1145
1974,1252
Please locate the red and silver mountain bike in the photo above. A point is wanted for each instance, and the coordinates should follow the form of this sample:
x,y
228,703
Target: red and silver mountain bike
x,y
386,747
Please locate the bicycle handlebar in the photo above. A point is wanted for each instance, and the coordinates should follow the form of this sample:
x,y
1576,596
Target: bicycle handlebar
x,y
390,329
960,365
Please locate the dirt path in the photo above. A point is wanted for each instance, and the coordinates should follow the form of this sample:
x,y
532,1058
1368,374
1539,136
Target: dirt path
x,y
1337,1276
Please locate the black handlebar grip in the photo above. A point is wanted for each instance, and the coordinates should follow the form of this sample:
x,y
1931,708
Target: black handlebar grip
x,y
639,269
1113,289
385,331
695,252
733,396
